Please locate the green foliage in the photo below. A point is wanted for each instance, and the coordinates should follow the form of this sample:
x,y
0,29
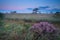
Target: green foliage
x,y
1,16
13,31
2,32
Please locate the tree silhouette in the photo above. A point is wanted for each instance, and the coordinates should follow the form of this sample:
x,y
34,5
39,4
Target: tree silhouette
x,y
1,18
57,15
13,12
35,10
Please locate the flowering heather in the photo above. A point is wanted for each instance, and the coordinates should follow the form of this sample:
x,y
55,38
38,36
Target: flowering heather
x,y
44,30
42,26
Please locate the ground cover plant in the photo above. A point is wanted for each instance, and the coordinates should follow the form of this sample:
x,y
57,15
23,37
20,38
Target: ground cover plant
x,y
24,31
44,31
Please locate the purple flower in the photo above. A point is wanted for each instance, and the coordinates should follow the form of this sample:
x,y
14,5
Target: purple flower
x,y
40,27
44,29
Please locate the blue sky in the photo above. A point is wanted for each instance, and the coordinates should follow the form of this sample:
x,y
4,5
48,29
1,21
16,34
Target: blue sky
x,y
26,6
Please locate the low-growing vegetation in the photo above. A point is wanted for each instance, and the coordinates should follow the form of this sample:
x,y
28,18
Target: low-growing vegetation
x,y
16,29
20,31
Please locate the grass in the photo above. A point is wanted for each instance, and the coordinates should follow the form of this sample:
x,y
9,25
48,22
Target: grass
x,y
19,30
13,31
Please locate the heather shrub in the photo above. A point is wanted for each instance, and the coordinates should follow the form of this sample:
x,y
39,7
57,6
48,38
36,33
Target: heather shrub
x,y
43,31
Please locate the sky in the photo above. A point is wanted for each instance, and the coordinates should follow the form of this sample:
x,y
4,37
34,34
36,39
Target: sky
x,y
26,6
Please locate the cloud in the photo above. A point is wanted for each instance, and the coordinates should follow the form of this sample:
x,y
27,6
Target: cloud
x,y
30,8
43,7
11,8
40,8
55,9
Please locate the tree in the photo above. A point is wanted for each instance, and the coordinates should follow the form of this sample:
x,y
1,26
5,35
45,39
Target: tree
x,y
2,31
13,12
57,15
1,18
35,10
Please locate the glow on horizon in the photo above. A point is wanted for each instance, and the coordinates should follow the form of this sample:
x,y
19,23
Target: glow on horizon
x,y
23,5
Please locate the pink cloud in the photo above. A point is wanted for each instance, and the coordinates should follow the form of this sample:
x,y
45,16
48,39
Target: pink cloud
x,y
11,8
8,7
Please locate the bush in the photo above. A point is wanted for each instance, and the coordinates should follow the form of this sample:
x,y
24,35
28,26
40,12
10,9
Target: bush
x,y
43,31
1,16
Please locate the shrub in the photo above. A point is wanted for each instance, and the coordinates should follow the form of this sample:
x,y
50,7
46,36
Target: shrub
x,y
43,31
1,16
